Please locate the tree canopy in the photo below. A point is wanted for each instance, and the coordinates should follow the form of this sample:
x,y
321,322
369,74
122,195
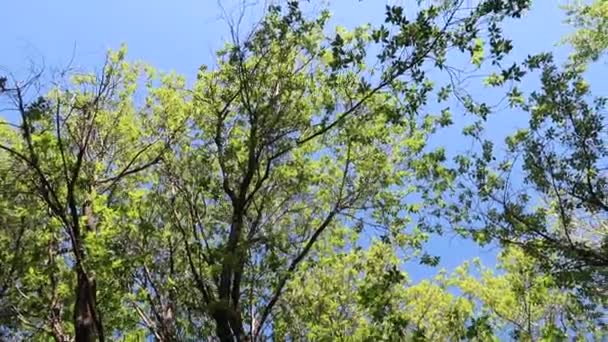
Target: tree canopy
x,y
557,213
282,193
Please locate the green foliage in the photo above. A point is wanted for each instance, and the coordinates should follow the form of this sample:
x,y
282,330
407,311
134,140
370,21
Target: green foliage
x,y
561,154
80,153
358,296
524,302
279,196
590,39
556,213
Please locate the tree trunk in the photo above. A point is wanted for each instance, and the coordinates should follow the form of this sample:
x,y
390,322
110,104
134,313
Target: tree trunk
x,y
222,328
86,322
227,317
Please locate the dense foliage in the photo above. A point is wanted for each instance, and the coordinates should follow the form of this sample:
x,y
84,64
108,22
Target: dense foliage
x,y
282,194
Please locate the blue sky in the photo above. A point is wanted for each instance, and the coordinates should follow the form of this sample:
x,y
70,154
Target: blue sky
x,y
181,35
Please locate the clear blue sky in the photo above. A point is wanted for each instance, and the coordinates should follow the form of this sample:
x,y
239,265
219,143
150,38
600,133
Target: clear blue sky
x,y
181,35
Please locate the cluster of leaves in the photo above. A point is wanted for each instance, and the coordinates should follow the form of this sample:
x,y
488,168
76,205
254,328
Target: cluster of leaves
x,y
360,296
591,23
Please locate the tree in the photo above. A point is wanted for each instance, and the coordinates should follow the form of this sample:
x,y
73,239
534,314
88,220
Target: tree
x,y
558,212
524,302
80,153
590,39
295,136
19,217
364,295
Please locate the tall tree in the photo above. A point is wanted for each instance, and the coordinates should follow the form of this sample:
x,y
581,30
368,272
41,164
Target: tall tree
x,y
295,135
557,212
79,151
